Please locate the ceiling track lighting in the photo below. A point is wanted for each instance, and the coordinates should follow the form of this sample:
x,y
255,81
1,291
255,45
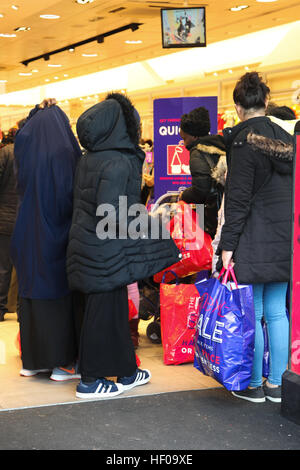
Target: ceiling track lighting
x,y
99,38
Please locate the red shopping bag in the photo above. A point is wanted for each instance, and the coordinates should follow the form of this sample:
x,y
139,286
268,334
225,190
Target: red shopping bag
x,y
191,240
178,316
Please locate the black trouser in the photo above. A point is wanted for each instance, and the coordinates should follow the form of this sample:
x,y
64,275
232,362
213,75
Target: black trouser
x,y
5,270
106,348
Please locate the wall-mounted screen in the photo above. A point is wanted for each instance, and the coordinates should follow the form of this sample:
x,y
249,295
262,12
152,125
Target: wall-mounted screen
x,y
183,27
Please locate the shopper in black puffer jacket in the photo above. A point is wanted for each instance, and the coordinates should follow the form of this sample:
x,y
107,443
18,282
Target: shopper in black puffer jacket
x,y
256,235
8,212
100,266
205,151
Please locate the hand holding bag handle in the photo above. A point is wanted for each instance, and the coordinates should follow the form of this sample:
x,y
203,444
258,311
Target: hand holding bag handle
x,y
229,272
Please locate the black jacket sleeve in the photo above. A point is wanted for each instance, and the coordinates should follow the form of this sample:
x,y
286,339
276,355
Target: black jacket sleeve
x,y
201,179
239,192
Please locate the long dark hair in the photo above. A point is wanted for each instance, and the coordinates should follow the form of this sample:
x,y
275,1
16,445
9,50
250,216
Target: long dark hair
x,y
130,114
251,91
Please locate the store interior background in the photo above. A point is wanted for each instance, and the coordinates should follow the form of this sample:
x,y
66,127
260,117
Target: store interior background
x,y
264,37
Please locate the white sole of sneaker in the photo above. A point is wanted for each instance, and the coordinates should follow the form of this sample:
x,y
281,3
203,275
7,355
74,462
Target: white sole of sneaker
x,y
59,378
274,400
32,373
139,382
253,400
99,395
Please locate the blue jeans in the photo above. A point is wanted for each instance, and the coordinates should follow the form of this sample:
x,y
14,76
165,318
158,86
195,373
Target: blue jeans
x,y
270,303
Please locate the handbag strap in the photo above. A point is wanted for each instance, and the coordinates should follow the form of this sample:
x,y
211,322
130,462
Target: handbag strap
x,y
174,274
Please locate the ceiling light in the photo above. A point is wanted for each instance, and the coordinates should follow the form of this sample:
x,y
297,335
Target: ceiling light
x,y
66,75
83,2
47,80
15,7
54,65
49,17
133,42
34,71
230,71
23,74
266,1
89,55
23,28
215,74
1,15
247,68
239,8
56,78
71,49
3,81
6,35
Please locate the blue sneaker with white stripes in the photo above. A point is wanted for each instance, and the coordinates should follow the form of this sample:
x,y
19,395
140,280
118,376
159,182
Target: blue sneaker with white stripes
x,y
101,388
140,377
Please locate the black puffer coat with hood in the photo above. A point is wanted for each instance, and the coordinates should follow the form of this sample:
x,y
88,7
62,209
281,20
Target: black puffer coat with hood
x,y
110,168
258,201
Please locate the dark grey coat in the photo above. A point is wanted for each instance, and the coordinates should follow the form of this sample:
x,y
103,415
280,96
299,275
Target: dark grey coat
x,y
8,191
258,201
111,168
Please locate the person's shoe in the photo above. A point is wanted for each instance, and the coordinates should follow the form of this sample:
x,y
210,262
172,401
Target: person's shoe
x,y
101,388
272,393
60,374
256,395
140,377
2,316
31,373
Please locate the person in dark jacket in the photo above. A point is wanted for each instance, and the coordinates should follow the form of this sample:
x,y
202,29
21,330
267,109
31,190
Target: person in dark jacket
x,y
256,236
8,213
46,154
102,264
205,151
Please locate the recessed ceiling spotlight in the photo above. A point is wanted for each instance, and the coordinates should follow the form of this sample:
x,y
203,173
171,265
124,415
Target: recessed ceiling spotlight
x,y
83,2
230,71
54,65
71,50
216,74
247,68
56,78
239,8
15,7
23,74
134,42
89,55
23,28
50,17
66,75
34,71
1,15
6,35
47,80
3,81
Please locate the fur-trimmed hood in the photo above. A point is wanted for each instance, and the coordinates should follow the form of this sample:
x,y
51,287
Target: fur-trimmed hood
x,y
281,153
266,137
211,144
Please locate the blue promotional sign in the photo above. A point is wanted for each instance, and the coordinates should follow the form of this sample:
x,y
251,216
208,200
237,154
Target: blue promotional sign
x,y
171,159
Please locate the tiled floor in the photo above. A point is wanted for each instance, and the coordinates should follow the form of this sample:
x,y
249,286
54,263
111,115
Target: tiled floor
x,y
19,392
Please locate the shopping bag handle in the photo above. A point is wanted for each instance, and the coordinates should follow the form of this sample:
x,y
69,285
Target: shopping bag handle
x,y
174,274
229,272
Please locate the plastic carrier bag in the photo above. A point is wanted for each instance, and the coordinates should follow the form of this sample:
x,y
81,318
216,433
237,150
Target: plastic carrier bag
x,y
193,243
225,333
178,317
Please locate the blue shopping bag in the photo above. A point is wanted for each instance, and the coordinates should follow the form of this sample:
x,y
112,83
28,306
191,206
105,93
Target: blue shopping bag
x,y
225,333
